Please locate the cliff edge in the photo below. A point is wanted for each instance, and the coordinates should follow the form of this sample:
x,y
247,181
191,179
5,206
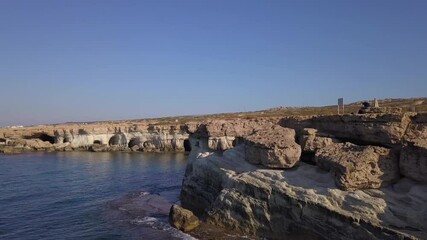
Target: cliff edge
x,y
320,177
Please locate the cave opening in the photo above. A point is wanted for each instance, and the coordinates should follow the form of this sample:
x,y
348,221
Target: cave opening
x,y
187,145
46,138
118,139
134,142
308,157
97,142
42,136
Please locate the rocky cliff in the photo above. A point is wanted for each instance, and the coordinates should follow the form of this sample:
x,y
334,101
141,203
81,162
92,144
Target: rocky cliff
x,y
320,177
312,177
97,137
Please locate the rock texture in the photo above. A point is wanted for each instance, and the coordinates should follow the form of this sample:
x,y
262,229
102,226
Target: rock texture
x,y
303,201
273,147
113,137
359,167
413,158
367,178
183,219
224,134
310,140
368,129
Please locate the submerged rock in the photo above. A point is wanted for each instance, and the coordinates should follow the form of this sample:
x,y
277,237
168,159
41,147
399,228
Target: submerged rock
x,y
183,219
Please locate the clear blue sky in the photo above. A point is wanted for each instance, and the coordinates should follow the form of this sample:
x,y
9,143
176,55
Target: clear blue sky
x,y
103,60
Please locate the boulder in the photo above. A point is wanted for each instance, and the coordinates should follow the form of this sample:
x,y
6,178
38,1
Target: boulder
x,y
99,148
273,147
182,219
135,148
61,146
310,141
220,143
38,144
359,167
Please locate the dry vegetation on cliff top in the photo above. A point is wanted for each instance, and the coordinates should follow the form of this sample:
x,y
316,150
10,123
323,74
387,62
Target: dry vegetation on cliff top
x,y
407,104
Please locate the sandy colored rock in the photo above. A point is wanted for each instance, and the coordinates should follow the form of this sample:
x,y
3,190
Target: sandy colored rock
x,y
183,219
220,143
273,147
38,144
299,203
310,141
99,148
221,134
12,150
369,129
359,167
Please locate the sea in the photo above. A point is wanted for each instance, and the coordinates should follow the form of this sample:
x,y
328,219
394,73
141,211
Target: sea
x,y
85,195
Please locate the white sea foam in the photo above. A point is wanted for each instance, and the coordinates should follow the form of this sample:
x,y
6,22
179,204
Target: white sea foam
x,y
157,224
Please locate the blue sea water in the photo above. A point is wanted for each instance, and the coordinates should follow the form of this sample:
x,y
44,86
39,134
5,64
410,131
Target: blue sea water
x,y
83,195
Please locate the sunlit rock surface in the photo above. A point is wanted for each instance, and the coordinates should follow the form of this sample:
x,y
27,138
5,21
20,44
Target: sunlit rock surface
x,y
276,203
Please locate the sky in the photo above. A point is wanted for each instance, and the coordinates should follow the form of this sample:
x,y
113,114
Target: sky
x,y
89,60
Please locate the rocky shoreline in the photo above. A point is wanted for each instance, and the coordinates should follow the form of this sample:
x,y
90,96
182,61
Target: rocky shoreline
x,y
312,177
321,177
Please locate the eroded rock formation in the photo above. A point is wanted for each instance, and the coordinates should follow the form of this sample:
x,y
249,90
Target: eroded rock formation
x,y
273,147
304,201
365,180
183,219
359,167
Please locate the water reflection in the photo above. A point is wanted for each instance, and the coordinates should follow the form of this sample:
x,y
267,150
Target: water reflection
x,y
52,195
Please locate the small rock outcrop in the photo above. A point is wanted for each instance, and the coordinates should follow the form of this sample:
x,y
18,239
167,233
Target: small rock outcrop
x,y
99,148
182,219
359,167
273,147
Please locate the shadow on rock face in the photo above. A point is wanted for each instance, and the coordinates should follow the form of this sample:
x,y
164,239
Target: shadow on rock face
x,y
118,139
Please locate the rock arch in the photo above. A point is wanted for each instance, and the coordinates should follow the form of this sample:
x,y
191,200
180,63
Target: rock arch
x,y
135,142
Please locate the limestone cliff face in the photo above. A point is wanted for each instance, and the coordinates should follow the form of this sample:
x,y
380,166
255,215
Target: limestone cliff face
x,y
225,134
105,137
303,202
365,178
366,129
148,139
